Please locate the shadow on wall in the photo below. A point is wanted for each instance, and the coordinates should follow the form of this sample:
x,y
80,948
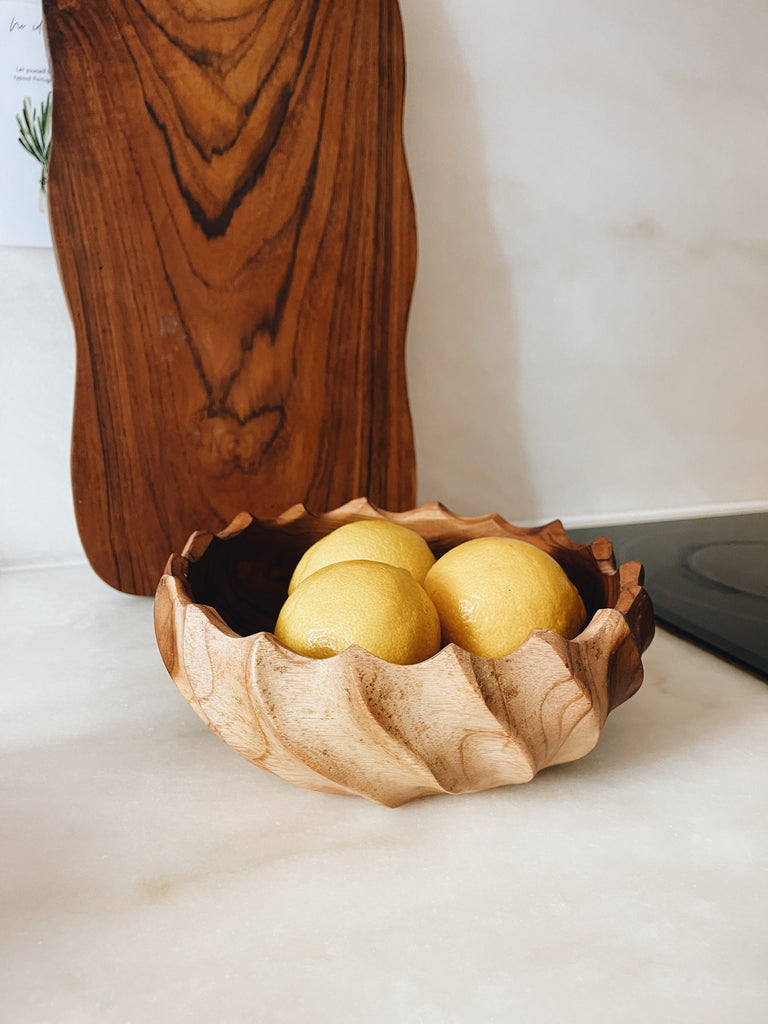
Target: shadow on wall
x,y
461,337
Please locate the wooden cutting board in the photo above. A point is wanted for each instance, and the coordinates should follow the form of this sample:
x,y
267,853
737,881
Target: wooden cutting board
x,y
235,232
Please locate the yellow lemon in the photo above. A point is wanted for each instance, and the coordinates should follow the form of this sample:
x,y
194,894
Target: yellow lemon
x,y
492,591
377,606
375,540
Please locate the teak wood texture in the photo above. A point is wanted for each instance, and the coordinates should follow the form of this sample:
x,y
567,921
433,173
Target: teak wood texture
x,y
354,724
235,231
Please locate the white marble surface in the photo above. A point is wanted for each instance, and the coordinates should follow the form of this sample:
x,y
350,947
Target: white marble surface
x,y
150,875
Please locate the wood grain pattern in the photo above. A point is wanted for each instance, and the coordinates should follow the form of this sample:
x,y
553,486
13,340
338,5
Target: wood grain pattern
x,y
235,232
355,724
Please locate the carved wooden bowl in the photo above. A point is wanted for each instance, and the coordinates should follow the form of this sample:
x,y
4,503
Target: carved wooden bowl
x,y
456,723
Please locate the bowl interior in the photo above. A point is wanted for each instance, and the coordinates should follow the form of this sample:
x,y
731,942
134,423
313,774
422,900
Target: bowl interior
x,y
244,573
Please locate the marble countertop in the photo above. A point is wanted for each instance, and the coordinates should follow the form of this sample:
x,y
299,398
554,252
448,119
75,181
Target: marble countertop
x,y
151,875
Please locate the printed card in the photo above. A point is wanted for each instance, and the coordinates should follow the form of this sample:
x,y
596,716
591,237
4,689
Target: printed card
x,y
25,125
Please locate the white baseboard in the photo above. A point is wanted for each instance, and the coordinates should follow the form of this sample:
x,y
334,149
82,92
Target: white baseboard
x,y
665,514
49,564
569,522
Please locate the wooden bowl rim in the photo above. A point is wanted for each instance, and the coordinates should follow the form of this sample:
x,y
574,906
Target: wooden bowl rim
x,y
632,600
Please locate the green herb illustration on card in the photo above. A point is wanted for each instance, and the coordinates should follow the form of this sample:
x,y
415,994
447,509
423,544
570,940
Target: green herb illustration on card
x,y
35,137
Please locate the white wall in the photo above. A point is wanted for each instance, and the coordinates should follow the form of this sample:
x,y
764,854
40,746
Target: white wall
x,y
589,329
37,371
